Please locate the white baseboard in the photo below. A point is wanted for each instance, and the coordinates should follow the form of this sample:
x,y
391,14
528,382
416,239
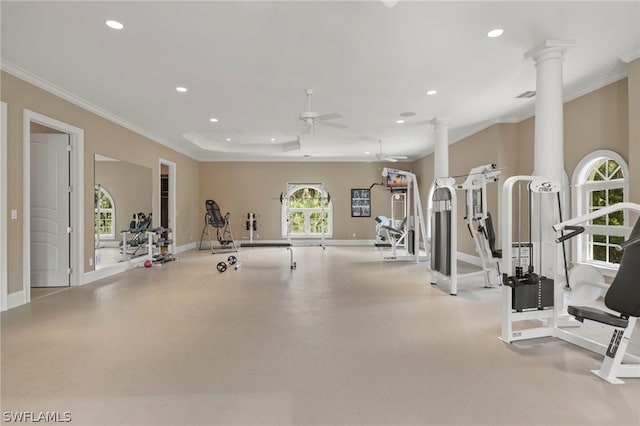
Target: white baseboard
x,y
111,270
16,299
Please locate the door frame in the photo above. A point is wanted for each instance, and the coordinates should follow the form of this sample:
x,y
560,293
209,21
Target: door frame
x,y
76,140
4,291
172,198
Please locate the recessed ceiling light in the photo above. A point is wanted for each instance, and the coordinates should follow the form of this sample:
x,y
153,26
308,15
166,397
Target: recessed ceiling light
x,y
367,153
272,139
432,92
114,24
228,139
213,120
495,33
181,89
399,121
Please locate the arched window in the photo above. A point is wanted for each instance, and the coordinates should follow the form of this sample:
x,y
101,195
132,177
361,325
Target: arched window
x,y
104,215
601,180
306,211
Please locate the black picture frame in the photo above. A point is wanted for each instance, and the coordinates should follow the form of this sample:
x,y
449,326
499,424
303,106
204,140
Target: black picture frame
x,y
361,202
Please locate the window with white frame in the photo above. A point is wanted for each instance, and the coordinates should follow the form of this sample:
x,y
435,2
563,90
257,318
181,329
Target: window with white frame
x,y
104,214
307,211
601,180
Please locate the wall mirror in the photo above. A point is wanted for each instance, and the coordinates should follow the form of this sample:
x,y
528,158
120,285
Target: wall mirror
x,y
122,199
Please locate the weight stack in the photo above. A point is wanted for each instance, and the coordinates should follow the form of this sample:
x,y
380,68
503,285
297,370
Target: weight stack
x,y
532,296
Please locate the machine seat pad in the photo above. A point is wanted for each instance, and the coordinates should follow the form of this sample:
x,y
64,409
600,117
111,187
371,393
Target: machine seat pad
x,y
585,312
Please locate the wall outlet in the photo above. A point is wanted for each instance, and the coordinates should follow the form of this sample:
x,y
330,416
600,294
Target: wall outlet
x,y
91,261
354,235
14,214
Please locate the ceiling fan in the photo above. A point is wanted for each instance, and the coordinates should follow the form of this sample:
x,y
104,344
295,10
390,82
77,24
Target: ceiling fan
x,y
311,118
386,157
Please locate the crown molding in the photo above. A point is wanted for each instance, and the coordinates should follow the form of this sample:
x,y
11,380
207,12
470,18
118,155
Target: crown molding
x,y
630,56
46,85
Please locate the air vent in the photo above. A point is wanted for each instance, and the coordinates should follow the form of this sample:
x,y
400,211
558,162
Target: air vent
x,y
526,95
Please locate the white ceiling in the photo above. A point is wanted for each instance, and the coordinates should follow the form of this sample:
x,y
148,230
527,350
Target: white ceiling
x,y
248,64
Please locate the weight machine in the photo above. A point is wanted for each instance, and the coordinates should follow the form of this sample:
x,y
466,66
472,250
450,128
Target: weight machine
x,y
135,238
533,296
402,233
444,234
622,297
392,232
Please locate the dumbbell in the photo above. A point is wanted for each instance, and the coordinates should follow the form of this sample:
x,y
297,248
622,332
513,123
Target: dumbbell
x,y
222,266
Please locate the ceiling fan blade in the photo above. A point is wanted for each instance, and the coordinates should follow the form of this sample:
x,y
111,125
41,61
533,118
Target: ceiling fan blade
x,y
306,128
330,116
335,125
384,157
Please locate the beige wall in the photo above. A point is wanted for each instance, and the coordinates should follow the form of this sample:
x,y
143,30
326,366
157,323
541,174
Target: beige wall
x,y
130,186
603,119
597,120
240,188
101,136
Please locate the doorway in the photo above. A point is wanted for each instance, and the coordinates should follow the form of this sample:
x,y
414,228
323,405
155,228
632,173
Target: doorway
x,y
167,208
50,195
54,259
4,291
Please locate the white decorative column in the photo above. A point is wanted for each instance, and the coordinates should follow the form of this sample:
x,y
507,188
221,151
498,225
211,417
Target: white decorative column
x,y
549,138
548,157
441,149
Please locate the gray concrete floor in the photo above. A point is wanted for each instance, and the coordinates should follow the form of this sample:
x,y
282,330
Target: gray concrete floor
x,y
344,339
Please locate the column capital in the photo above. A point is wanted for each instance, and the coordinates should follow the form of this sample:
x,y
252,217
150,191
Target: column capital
x,y
439,122
547,47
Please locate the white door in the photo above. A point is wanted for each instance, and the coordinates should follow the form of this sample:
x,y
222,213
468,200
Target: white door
x,y
50,238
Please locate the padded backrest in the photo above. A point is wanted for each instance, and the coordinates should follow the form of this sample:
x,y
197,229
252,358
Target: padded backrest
x,y
491,233
624,294
136,223
214,218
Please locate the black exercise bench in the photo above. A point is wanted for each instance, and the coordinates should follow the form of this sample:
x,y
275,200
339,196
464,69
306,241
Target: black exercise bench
x,y
623,297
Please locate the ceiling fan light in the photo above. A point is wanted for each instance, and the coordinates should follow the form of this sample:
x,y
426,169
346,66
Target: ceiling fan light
x,y
495,33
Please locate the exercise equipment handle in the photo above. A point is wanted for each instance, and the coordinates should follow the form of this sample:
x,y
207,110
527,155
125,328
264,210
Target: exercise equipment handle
x,y
575,230
629,242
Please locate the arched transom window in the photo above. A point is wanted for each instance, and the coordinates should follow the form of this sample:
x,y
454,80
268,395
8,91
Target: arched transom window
x,y
600,180
307,211
104,214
